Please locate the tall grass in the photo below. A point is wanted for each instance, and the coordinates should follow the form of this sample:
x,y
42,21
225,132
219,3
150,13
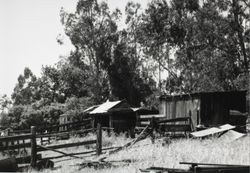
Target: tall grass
x,y
144,154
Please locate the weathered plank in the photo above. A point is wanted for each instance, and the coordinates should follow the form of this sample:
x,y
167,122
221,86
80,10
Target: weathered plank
x,y
175,128
15,138
212,131
150,116
166,120
13,147
64,133
57,151
81,153
39,149
165,170
212,164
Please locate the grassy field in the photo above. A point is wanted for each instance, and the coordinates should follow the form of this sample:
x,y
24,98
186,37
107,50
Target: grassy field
x,y
145,154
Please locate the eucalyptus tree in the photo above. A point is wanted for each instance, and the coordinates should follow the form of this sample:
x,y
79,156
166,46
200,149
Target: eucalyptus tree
x,y
92,29
209,39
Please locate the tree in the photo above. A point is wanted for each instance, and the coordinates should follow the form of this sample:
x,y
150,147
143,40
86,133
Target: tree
x,y
5,103
26,90
92,30
124,76
209,51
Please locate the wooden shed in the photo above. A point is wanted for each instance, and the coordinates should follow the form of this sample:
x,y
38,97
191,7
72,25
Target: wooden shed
x,y
115,114
207,108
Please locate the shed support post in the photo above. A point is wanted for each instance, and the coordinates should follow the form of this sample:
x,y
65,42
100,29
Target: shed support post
x,y
99,139
33,147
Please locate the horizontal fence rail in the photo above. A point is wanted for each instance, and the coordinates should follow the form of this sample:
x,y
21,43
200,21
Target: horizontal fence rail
x,y
30,141
68,145
15,138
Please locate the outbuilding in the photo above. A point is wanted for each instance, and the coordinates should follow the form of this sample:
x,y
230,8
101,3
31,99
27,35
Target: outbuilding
x,y
115,114
206,108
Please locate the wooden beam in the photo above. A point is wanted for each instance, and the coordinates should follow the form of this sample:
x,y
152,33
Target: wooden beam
x,y
64,133
57,151
80,153
165,120
39,149
15,138
211,164
13,147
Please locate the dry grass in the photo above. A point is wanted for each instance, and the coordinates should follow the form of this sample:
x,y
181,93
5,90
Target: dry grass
x,y
144,154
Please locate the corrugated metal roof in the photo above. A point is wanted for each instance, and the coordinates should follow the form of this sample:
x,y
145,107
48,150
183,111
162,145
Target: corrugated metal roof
x,y
103,108
212,130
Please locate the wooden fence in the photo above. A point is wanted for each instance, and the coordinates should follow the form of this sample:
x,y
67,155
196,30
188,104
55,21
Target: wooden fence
x,y
163,125
30,141
83,124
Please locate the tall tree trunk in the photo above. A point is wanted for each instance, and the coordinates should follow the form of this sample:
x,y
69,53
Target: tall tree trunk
x,y
236,10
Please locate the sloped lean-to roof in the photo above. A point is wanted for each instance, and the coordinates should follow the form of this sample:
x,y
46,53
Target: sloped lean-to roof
x,y
105,107
88,110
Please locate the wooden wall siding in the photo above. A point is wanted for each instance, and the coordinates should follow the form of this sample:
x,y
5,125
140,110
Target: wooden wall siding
x,y
163,107
215,108
182,108
123,121
193,108
209,109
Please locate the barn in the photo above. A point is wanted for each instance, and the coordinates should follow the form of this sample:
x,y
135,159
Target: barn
x,y
206,108
115,114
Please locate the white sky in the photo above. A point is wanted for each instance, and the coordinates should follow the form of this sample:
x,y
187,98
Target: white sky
x,y
28,31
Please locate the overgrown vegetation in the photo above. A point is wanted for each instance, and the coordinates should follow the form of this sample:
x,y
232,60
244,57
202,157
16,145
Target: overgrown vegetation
x,y
177,46
145,154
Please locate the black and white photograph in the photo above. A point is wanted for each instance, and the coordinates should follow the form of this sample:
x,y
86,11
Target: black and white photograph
x,y
125,86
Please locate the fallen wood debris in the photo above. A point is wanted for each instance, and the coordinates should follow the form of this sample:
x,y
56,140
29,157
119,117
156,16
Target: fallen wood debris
x,y
212,131
103,164
201,168
81,153
146,131
65,154
166,170
211,164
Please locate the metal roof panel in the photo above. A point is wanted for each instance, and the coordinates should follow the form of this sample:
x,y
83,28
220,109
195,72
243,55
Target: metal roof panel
x,y
103,108
212,130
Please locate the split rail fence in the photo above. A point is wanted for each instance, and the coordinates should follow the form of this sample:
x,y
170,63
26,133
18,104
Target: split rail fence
x,y
24,141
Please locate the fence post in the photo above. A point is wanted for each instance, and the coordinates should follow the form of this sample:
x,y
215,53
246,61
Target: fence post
x,y
33,146
99,139
152,123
